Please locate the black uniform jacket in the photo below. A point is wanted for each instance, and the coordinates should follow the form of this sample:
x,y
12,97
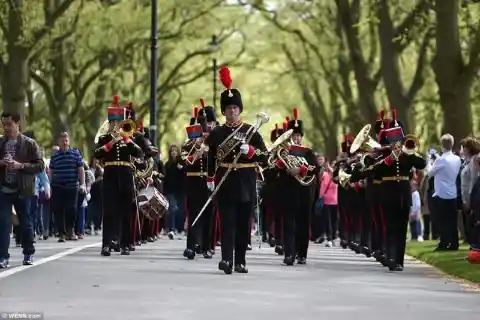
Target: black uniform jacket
x,y
396,177
240,185
120,151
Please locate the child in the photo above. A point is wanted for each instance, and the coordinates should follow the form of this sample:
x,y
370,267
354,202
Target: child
x,y
415,213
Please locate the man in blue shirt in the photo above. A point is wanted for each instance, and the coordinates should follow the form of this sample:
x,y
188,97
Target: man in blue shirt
x,y
67,178
445,170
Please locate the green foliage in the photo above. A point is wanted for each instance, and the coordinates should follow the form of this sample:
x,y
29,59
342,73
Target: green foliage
x,y
325,57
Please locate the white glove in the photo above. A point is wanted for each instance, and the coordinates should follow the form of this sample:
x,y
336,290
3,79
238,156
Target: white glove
x,y
88,197
244,148
211,185
83,189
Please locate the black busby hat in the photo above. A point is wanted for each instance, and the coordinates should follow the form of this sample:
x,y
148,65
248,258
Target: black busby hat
x,y
395,122
229,96
347,143
198,119
208,112
382,122
296,124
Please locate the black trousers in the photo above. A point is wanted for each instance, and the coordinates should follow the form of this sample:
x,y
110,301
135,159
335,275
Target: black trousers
x,y
397,217
235,218
64,207
379,229
119,207
446,211
201,232
296,225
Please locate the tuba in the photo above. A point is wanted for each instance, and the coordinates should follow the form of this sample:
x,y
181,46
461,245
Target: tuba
x,y
363,142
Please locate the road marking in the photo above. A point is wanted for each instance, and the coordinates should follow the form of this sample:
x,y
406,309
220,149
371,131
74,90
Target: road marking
x,y
54,257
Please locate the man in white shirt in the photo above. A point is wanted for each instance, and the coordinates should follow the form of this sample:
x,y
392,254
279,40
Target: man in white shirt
x,y
445,169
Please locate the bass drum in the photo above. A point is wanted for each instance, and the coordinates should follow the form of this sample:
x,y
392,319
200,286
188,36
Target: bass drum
x,y
152,204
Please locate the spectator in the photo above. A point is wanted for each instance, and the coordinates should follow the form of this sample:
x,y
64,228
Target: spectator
x,y
470,147
328,191
21,161
174,192
415,213
94,210
445,170
66,170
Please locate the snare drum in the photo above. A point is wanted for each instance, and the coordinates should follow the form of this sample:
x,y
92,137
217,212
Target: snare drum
x,y
152,204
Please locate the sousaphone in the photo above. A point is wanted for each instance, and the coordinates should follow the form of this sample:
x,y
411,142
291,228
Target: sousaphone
x,y
363,142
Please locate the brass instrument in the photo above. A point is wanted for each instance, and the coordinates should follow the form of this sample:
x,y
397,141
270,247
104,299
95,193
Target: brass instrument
x,y
411,144
279,150
197,146
126,128
363,142
343,178
282,142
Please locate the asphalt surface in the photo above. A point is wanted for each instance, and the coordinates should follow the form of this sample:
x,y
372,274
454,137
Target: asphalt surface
x,y
156,282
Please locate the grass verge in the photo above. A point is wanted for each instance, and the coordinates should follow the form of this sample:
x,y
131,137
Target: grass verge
x,y
450,262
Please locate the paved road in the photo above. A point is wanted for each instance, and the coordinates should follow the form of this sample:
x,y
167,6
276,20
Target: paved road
x,y
157,283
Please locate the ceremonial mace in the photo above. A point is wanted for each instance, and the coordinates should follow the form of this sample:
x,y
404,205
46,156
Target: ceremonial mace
x,y
262,118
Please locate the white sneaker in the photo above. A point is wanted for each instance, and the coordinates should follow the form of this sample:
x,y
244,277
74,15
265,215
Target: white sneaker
x,y
420,239
329,244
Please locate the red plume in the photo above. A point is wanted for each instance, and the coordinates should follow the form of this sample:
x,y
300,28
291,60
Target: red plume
x,y
394,114
202,102
382,114
225,77
195,112
295,113
276,126
287,118
115,101
285,126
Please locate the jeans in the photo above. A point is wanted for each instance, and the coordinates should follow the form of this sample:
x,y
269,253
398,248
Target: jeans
x,y
22,209
176,212
34,212
415,229
80,215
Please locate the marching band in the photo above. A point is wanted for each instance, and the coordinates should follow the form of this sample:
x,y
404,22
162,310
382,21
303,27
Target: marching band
x,y
224,164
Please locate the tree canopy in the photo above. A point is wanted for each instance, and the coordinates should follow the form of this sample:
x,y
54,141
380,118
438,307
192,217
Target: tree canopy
x,y
338,61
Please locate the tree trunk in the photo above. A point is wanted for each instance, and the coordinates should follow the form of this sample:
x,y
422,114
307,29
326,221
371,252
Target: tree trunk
x,y
15,75
453,77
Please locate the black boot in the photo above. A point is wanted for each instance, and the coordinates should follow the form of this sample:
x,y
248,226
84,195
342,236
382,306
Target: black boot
x,y
279,250
125,251
207,254
105,251
289,261
189,254
225,266
240,268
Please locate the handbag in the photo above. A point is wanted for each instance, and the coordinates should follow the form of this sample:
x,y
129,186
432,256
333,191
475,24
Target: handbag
x,y
320,203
